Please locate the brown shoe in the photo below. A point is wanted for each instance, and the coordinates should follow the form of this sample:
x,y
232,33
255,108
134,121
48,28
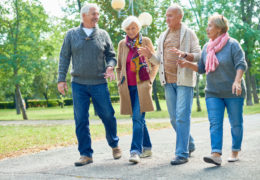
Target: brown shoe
x,y
83,160
116,153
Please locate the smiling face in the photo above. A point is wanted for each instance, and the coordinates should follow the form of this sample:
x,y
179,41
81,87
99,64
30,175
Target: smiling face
x,y
132,30
213,31
90,20
173,18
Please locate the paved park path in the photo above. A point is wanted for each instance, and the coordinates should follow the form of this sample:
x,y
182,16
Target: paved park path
x,y
58,163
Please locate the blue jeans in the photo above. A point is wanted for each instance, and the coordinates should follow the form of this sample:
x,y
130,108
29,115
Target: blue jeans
x,y
179,103
141,139
216,108
102,104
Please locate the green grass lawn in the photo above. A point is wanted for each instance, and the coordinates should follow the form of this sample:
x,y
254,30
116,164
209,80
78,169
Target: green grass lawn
x,y
17,140
58,113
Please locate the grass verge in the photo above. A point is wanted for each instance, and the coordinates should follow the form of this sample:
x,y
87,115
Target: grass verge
x,y
58,113
18,140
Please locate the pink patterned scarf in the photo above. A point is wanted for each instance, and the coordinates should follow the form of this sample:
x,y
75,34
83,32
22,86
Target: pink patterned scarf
x,y
214,47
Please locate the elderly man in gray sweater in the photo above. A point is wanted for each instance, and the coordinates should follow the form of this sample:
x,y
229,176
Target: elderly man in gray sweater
x,y
93,61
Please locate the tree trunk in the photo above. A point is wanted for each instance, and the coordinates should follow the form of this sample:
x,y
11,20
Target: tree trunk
x,y
198,93
155,97
21,104
253,80
17,103
45,94
248,89
79,5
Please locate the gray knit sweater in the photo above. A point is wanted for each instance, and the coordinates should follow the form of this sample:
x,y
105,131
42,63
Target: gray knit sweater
x,y
90,56
219,83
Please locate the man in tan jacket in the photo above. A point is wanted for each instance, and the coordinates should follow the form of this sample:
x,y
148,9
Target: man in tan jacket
x,y
178,41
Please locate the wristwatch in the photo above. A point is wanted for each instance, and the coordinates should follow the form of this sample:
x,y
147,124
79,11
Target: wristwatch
x,y
185,55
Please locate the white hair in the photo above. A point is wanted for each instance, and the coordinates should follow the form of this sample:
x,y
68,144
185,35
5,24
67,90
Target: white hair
x,y
129,20
85,9
177,7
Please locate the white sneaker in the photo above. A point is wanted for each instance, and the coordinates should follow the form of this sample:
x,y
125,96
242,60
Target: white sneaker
x,y
146,153
232,159
213,159
135,158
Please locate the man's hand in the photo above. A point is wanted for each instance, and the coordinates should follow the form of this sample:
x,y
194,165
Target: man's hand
x,y
145,51
177,52
110,74
62,87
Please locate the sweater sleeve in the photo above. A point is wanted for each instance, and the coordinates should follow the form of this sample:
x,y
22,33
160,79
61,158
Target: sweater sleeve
x,y
156,58
201,64
109,52
195,47
119,64
65,57
154,68
238,56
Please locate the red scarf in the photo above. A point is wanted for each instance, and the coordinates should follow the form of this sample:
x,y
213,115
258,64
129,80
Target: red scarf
x,y
138,63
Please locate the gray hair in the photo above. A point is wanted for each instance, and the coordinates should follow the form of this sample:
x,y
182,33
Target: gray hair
x,y
129,20
85,9
177,7
220,21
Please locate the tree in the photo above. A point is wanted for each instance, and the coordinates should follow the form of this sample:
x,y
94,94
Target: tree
x,y
22,45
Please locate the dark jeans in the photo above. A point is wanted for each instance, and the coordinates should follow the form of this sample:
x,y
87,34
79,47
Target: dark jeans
x,y
102,104
141,139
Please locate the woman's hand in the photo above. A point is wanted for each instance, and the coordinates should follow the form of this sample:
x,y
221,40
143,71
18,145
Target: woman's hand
x,y
182,63
145,51
236,88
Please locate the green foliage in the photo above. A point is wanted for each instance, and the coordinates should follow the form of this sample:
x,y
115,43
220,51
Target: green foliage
x,y
24,45
30,40
7,105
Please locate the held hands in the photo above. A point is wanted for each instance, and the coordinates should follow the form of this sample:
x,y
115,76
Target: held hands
x,y
182,63
110,74
236,88
145,51
62,87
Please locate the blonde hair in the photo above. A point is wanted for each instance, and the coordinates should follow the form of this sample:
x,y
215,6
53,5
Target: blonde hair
x,y
129,20
220,21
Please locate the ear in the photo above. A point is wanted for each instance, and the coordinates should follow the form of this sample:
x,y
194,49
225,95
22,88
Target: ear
x,y
219,31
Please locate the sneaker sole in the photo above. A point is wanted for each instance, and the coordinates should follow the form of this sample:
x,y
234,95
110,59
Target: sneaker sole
x,y
82,164
233,160
133,161
145,156
118,157
208,160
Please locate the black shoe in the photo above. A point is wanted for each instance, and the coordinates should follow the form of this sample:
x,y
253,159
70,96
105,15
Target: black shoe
x,y
179,160
191,151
